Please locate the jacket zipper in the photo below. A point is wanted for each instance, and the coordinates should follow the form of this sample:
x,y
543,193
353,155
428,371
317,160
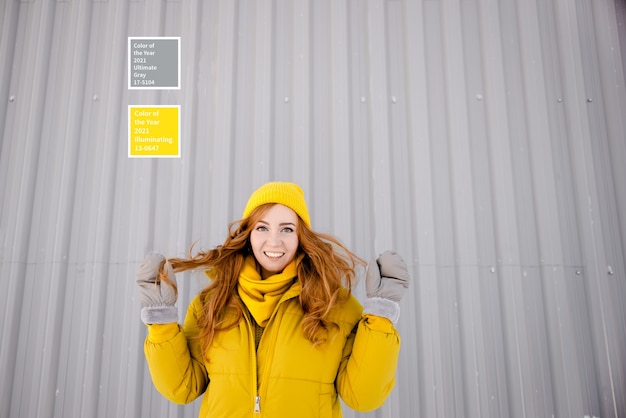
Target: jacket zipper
x,y
257,404
257,399
253,355
253,362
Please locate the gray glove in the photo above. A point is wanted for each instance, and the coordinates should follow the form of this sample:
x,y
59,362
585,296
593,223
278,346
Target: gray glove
x,y
387,277
387,280
158,298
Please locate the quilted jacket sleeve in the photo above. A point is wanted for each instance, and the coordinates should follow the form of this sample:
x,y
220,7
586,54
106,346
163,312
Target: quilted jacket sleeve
x,y
367,371
174,358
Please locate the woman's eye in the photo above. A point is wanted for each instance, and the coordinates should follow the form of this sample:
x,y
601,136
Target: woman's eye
x,y
287,229
261,228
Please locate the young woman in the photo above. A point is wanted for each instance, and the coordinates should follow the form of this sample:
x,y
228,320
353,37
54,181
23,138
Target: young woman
x,y
277,332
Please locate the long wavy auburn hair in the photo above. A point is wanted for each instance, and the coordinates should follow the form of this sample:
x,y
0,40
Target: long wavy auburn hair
x,y
325,267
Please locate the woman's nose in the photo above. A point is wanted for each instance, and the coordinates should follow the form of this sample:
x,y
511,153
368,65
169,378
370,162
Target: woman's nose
x,y
273,238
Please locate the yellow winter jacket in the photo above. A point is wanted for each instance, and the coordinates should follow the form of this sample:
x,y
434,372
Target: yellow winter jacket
x,y
294,378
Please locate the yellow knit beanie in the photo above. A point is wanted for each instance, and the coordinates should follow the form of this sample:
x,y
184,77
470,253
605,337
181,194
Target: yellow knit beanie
x,y
288,194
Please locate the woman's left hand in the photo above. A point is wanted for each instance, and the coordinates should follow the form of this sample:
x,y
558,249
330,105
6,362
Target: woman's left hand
x,y
387,280
387,277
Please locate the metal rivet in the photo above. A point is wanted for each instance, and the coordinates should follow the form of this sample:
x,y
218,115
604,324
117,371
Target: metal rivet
x,y
559,100
479,97
610,270
493,269
95,97
589,100
578,273
362,99
393,99
286,100
11,98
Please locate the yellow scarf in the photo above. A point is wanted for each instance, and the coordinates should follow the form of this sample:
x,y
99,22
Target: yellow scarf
x,y
262,295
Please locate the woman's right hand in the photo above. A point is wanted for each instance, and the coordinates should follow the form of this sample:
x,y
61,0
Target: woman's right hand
x,y
158,298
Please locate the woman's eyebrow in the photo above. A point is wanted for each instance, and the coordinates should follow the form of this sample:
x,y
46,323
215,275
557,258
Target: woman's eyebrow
x,y
261,221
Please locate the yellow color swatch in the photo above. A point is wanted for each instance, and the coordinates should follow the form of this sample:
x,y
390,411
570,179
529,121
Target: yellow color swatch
x,y
153,131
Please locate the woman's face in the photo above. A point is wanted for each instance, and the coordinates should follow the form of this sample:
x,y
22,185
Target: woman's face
x,y
274,239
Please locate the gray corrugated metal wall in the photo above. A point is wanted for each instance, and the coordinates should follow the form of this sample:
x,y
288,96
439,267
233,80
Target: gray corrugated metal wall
x,y
483,139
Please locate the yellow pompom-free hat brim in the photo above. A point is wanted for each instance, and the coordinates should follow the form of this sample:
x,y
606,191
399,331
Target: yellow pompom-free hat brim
x,y
284,193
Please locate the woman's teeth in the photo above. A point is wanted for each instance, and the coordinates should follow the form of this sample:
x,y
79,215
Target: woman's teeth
x,y
274,255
